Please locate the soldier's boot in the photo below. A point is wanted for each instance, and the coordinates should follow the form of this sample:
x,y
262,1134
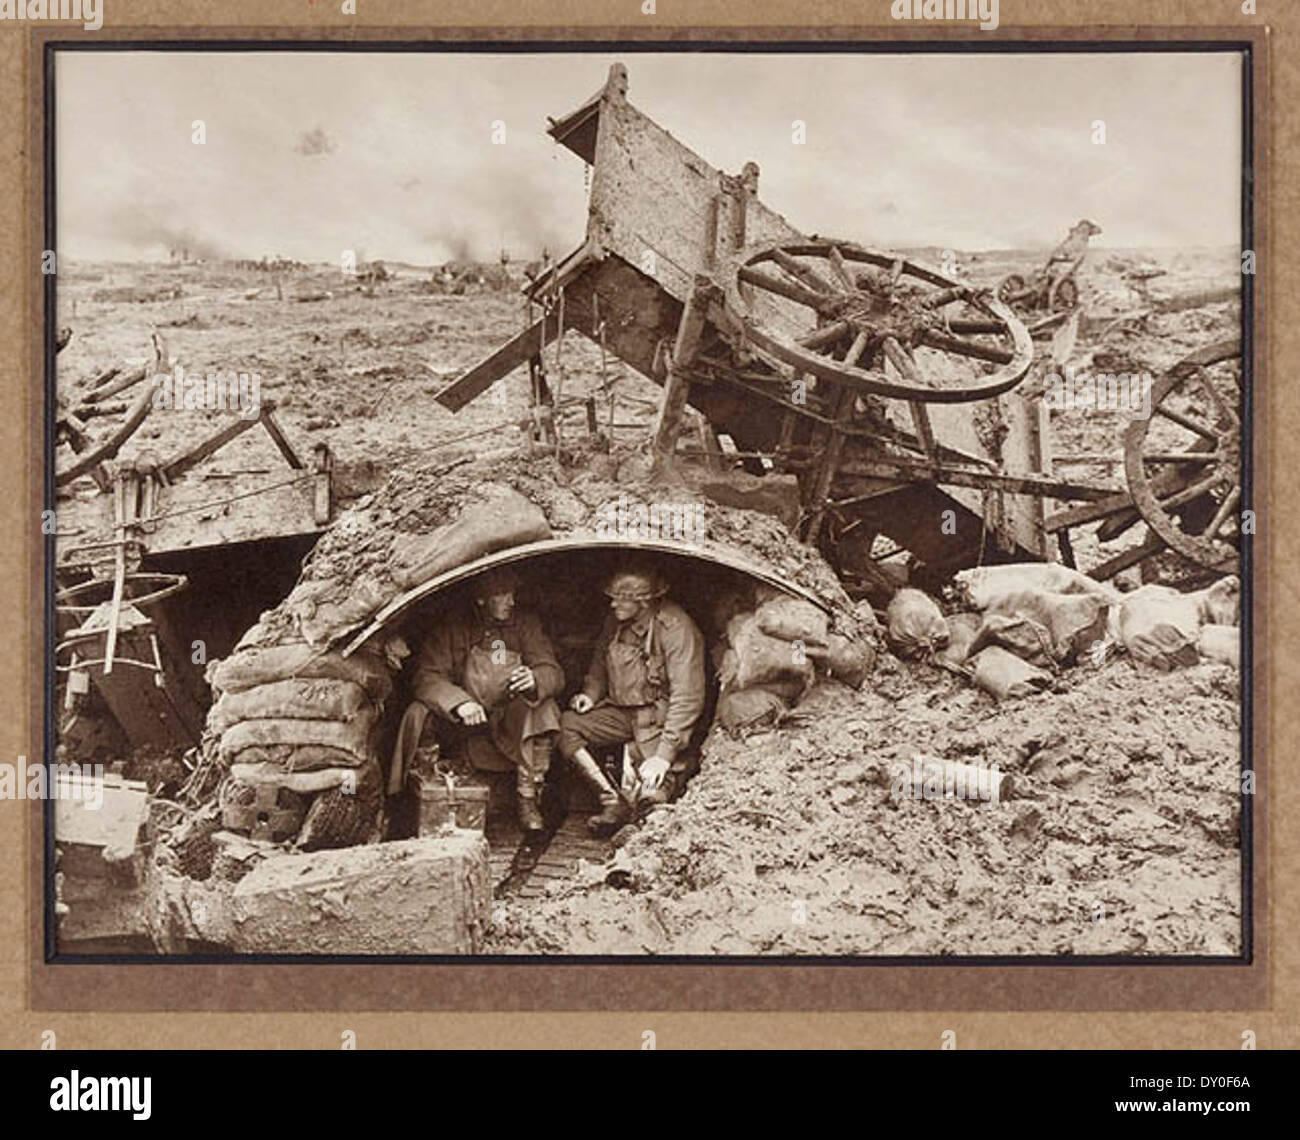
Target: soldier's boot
x,y
530,818
613,811
531,774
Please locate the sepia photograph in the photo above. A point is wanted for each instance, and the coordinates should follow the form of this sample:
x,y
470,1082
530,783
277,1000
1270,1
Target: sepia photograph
x,y
695,504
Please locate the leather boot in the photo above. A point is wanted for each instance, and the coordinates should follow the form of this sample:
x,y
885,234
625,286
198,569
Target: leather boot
x,y
613,811
530,819
613,814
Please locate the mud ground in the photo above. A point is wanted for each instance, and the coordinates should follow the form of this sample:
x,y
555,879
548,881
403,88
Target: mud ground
x,y
1119,837
1122,834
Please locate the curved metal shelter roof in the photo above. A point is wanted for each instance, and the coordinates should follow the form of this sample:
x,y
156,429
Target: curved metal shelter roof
x,y
711,554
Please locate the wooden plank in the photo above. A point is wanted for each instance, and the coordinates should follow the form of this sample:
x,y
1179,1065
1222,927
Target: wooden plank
x,y
278,437
830,464
184,462
678,385
516,351
941,474
649,192
1089,512
1122,561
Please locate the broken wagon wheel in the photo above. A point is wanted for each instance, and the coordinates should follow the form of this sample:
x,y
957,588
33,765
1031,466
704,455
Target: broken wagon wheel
x,y
1183,461
140,589
1014,288
1066,296
91,453
825,308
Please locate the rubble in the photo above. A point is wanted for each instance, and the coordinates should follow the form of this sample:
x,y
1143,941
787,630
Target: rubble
x,y
415,896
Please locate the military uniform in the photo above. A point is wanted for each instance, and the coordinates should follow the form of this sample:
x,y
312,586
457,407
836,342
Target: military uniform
x,y
647,681
470,658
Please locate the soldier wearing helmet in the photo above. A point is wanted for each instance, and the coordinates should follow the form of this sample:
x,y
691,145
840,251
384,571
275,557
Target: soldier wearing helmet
x,y
491,670
644,689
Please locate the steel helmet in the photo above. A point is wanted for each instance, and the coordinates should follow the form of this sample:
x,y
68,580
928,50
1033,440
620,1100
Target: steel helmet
x,y
501,580
636,586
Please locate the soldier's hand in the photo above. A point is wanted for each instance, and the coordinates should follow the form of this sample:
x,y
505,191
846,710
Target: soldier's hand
x,y
653,772
522,680
581,703
471,713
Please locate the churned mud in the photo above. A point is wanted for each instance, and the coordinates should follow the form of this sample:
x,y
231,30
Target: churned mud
x,y
1119,836
1120,830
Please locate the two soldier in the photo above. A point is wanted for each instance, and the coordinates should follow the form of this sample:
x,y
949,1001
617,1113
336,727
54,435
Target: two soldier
x,y
494,667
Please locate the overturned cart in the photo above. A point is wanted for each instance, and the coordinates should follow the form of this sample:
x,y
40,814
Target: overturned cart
x,y
891,390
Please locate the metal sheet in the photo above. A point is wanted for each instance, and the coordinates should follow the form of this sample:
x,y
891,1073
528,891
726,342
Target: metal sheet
x,y
713,555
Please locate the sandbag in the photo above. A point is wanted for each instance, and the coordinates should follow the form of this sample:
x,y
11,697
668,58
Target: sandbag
x,y
793,619
750,708
294,699
503,519
1220,603
1074,622
982,584
962,629
761,658
1018,634
1005,675
251,667
324,610
848,661
298,758
1221,643
350,737
914,624
1161,627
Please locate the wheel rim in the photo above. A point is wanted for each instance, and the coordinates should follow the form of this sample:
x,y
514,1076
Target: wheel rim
x,y
1011,288
823,308
1067,295
1183,462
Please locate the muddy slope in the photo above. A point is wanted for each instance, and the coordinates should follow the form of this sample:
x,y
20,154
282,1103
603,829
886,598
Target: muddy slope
x,y
1121,836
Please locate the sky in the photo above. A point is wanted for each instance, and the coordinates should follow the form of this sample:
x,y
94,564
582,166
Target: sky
x,y
391,154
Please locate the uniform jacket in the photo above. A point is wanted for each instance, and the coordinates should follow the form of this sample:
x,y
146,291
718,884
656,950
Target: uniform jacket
x,y
671,647
440,667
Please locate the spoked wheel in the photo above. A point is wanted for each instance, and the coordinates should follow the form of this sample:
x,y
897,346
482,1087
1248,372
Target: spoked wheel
x,y
1012,289
90,452
839,312
1066,296
1183,462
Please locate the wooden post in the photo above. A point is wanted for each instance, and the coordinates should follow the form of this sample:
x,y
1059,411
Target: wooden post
x,y
677,385
322,491
541,397
843,407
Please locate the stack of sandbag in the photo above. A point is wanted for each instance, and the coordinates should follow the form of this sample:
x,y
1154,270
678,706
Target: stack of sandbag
x,y
301,708
1167,629
1032,619
1043,627
1001,654
295,724
769,660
